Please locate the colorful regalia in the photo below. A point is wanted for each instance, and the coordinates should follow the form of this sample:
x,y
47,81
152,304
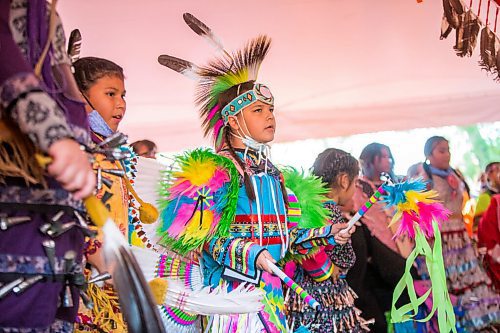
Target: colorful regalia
x,y
206,206
105,315
316,275
477,303
40,250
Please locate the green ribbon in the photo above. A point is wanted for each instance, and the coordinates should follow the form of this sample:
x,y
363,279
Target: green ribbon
x,y
441,299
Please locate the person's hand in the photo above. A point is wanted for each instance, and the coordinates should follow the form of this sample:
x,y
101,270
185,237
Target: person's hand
x,y
261,262
71,167
342,237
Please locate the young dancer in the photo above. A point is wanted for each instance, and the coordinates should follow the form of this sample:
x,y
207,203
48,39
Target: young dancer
x,y
323,274
101,83
465,277
231,206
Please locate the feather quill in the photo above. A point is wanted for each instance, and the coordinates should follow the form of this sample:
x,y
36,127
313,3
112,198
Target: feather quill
x,y
204,31
181,66
74,45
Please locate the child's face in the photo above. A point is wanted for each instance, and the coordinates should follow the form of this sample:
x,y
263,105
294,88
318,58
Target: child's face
x,y
440,157
347,192
107,96
259,120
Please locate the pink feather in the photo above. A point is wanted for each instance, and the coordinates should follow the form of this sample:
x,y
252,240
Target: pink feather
x,y
212,113
406,225
430,212
218,179
183,214
183,188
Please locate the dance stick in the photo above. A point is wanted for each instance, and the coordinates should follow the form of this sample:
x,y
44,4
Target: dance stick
x,y
294,286
374,198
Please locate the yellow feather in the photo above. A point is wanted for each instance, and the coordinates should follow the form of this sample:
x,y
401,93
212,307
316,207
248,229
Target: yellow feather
x,y
197,172
194,229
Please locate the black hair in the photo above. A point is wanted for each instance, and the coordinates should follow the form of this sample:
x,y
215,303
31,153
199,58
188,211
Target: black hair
x,y
367,159
431,143
90,69
332,163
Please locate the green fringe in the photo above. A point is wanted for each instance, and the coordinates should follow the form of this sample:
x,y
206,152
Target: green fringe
x,y
311,194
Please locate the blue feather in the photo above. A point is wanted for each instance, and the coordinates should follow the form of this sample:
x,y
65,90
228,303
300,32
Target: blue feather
x,y
396,193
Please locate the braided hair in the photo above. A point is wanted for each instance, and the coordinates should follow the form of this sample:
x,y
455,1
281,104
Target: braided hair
x,y
332,163
90,69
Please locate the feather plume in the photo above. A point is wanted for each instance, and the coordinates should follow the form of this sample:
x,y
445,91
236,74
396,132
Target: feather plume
x,y
488,50
74,45
204,31
227,71
414,207
466,34
181,66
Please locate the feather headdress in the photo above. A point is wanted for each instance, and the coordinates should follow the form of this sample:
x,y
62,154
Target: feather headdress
x,y
223,73
219,75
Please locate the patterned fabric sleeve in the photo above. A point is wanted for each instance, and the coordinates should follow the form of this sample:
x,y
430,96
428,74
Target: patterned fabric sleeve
x,y
21,95
305,240
342,256
238,257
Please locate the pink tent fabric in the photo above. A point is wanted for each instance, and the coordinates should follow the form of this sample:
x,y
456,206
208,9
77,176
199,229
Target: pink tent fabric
x,y
335,67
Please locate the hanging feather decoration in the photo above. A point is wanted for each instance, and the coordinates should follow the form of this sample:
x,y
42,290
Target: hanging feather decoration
x,y
74,45
446,28
497,67
181,66
466,34
453,9
488,50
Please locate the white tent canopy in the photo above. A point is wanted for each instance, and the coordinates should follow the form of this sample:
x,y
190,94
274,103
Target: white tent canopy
x,y
335,67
